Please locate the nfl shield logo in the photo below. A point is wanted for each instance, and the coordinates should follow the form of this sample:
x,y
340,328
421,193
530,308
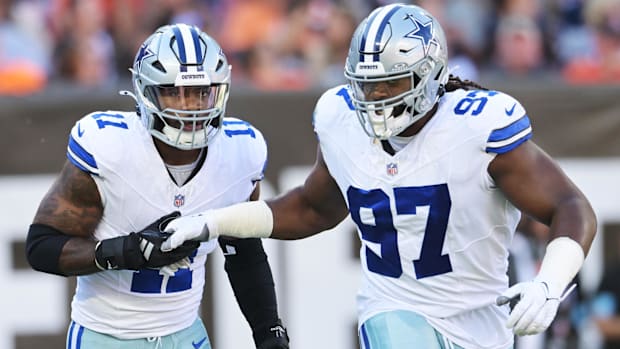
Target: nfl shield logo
x,y
179,200
392,169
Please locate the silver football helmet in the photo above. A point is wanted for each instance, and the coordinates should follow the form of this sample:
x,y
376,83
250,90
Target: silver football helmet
x,y
394,42
181,81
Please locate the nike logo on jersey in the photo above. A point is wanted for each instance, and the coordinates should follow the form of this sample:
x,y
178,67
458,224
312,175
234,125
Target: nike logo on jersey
x,y
199,343
510,111
80,131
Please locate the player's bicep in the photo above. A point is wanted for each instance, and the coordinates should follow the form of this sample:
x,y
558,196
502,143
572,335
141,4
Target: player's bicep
x,y
73,204
531,180
315,206
322,192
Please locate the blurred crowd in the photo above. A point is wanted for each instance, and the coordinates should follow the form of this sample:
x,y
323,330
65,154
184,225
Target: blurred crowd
x,y
301,44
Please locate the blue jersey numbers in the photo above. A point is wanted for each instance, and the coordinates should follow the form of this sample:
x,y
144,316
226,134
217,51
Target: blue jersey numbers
x,y
244,129
151,281
382,231
109,119
473,103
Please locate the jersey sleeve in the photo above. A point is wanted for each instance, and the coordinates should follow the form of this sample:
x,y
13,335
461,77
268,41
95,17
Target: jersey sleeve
x,y
251,145
506,124
96,139
333,103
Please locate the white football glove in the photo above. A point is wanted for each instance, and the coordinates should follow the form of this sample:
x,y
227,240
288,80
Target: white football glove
x,y
536,308
187,228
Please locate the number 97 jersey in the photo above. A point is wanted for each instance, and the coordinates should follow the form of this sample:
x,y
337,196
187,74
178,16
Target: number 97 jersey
x,y
434,228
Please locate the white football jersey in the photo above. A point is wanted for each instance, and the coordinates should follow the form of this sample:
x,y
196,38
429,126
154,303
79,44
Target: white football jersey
x,y
434,228
136,189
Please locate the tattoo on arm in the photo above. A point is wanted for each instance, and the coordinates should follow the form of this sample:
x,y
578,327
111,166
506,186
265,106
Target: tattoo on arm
x,y
73,204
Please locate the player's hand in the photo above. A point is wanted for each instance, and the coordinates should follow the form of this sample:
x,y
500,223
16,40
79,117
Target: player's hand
x,y
142,249
187,228
535,310
271,337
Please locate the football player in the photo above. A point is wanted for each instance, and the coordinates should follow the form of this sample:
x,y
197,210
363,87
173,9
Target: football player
x,y
435,172
104,216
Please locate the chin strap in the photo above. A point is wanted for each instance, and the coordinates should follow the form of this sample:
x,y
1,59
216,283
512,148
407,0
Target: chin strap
x,y
183,137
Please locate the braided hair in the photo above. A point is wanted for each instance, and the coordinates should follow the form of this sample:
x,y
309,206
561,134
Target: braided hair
x,y
455,83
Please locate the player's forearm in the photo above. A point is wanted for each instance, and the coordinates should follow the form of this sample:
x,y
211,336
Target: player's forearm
x,y
575,218
296,217
78,257
285,218
50,250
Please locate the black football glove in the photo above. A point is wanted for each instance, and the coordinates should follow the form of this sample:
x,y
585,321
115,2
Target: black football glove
x,y
141,250
271,337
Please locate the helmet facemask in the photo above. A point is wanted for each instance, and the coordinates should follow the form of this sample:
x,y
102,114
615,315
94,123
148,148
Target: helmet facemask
x,y
193,125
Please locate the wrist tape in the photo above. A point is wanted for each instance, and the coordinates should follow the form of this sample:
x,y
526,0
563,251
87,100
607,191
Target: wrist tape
x,y
562,261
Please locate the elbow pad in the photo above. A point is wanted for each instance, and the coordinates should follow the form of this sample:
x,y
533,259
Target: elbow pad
x,y
43,248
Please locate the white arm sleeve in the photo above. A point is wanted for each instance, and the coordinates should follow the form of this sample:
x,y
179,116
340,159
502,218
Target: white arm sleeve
x,y
252,219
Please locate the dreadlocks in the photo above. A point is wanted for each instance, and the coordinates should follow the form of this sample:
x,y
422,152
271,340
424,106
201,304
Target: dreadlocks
x,y
455,83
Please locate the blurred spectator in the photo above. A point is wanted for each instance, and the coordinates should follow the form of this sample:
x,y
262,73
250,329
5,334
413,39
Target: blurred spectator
x,y
466,38
301,44
606,307
599,317
129,23
244,27
310,49
603,65
519,46
572,37
85,53
24,55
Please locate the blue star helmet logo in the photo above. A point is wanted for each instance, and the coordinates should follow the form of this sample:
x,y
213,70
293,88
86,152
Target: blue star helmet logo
x,y
423,32
144,52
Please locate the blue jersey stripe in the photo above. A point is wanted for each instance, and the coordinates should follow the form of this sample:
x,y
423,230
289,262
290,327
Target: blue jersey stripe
x,y
508,147
81,153
510,130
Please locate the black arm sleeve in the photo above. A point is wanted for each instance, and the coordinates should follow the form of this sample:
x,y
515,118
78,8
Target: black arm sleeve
x,y
250,276
43,248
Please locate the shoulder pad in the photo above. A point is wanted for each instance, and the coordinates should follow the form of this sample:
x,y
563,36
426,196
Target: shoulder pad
x,y
498,115
96,133
334,101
